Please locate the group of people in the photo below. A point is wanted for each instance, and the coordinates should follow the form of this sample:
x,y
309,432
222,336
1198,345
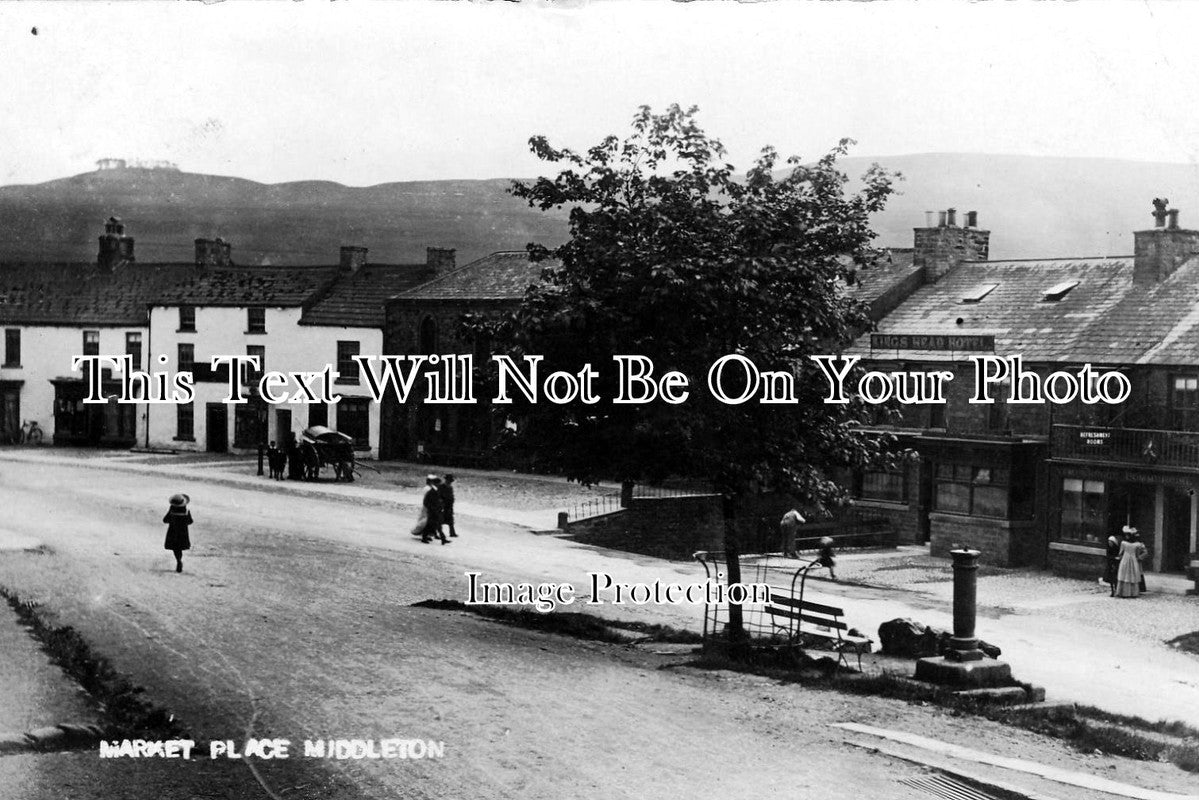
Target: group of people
x,y
1124,555
294,458
437,510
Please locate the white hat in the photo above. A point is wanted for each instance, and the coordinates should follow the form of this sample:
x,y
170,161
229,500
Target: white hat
x,y
1128,529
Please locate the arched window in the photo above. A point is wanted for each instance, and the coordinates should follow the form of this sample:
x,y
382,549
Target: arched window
x,y
427,336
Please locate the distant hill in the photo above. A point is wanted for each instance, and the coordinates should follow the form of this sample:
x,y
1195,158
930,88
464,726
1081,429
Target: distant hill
x,y
286,223
1033,206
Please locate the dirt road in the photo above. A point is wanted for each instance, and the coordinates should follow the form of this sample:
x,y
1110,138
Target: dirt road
x,y
293,619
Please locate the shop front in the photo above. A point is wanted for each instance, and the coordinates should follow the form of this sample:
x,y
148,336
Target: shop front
x,y
80,424
1105,478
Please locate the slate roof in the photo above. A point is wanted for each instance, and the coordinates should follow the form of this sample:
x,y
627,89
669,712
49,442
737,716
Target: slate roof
x,y
893,266
357,299
500,276
82,294
1022,321
1154,324
247,286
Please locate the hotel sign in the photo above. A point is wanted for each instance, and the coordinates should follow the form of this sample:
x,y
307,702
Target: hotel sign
x,y
955,342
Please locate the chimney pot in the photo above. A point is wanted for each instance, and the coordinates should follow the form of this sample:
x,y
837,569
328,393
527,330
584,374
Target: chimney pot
x,y
928,218
1173,215
952,214
941,215
1159,211
971,219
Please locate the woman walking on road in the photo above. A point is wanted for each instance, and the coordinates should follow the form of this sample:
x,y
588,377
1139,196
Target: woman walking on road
x,y
1129,576
178,519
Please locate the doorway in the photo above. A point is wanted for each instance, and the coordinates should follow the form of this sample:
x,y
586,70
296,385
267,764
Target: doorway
x,y
1176,533
282,424
216,427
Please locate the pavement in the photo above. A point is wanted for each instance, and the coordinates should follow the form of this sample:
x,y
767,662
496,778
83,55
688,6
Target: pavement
x,y
1065,635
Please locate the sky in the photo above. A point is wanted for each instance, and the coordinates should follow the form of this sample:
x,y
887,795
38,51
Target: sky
x,y
364,92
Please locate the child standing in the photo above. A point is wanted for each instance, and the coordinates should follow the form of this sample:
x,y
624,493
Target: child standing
x,y
178,518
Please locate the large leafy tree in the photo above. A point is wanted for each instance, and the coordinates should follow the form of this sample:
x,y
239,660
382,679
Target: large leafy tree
x,y
672,257
675,257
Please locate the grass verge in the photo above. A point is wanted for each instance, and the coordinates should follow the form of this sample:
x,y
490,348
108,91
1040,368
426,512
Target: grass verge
x,y
578,626
128,714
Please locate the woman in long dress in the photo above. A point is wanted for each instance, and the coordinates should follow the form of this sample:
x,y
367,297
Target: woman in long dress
x,y
1130,575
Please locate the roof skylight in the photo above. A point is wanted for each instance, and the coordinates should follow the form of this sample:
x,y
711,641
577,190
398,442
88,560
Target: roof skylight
x,y
1058,291
978,292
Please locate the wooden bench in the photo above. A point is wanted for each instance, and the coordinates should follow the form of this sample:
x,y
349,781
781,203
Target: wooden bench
x,y
825,622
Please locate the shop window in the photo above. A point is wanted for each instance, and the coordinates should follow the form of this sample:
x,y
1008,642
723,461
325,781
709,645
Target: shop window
x,y
353,420
974,490
1083,510
891,487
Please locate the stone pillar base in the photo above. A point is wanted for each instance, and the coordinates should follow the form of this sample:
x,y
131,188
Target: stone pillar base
x,y
969,674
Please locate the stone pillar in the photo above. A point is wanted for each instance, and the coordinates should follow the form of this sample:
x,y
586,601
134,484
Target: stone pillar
x,y
964,665
964,643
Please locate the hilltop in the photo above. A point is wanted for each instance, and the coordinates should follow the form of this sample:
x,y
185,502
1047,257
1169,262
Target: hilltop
x,y
1034,207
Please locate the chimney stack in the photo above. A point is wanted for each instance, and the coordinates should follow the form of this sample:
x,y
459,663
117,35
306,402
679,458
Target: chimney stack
x,y
116,249
943,247
352,258
213,253
1162,249
439,259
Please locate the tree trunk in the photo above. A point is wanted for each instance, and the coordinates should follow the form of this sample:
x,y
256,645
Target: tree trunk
x,y
738,644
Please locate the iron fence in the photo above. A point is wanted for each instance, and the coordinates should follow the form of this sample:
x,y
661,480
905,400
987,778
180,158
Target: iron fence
x,y
595,507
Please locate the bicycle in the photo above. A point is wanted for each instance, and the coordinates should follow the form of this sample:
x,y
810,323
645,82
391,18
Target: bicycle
x,y
31,433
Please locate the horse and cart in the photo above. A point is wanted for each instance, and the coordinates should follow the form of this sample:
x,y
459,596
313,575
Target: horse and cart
x,y
321,447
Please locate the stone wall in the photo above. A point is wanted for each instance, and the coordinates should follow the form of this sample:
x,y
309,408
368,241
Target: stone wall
x,y
665,527
1003,543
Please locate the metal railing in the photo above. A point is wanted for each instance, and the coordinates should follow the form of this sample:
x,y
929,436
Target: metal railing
x,y
1147,446
643,491
595,507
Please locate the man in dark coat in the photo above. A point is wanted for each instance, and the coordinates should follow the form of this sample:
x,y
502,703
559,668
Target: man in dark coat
x,y
446,490
433,511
